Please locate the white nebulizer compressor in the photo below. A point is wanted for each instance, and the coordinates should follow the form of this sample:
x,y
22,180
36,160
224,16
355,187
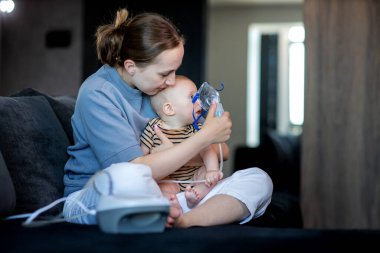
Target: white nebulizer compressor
x,y
130,200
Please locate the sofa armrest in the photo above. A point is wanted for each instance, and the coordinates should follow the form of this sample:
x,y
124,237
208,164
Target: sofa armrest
x,y
7,191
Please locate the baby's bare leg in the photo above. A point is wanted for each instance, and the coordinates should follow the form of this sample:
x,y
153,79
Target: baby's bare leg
x,y
198,191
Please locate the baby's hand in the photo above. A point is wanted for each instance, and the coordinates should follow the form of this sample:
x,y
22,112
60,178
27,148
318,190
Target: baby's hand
x,y
166,143
212,177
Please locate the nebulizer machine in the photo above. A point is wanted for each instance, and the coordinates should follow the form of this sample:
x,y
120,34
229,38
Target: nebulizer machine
x,y
130,201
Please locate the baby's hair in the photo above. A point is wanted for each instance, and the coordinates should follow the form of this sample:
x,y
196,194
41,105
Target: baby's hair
x,y
140,38
160,98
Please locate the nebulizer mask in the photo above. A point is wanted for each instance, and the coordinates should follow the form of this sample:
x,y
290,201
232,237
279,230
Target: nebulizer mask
x,y
206,95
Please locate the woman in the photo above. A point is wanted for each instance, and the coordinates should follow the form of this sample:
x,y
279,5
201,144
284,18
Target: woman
x,y
140,56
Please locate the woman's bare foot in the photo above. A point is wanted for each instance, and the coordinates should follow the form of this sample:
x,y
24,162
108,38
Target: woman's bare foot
x,y
175,211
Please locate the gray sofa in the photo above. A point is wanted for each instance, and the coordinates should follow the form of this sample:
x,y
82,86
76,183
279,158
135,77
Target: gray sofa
x,y
35,131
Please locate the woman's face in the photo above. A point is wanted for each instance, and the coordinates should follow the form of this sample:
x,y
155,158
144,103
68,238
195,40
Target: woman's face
x,y
160,73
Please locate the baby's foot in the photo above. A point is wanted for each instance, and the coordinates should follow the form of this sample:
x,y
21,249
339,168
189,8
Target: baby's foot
x,y
192,196
175,211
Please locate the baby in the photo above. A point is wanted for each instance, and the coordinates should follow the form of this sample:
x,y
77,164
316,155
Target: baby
x,y
175,109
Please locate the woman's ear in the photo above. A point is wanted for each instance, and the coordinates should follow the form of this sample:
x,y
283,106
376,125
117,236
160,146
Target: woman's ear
x,y
130,66
168,109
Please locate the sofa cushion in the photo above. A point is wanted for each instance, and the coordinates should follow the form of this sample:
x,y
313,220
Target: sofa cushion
x,y
63,107
33,144
7,191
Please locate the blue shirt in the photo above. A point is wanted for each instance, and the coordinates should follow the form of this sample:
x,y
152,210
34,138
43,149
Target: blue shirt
x,y
108,120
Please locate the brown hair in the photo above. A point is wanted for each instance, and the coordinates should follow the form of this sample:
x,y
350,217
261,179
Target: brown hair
x,y
140,38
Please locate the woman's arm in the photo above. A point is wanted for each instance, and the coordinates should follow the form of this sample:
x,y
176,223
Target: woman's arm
x,y
165,162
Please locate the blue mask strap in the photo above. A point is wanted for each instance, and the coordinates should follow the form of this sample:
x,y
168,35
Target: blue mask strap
x,y
196,120
195,98
195,123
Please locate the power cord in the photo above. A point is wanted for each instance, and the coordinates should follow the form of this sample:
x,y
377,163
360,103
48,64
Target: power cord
x,y
29,222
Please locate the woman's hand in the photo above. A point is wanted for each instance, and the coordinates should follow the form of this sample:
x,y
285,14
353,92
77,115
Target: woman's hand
x,y
166,143
217,129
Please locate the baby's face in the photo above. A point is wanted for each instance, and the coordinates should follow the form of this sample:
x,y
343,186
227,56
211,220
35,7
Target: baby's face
x,y
182,94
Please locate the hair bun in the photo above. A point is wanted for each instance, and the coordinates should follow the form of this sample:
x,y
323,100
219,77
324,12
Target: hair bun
x,y
121,18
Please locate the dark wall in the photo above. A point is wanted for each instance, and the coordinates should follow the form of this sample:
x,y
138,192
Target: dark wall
x,y
189,16
33,54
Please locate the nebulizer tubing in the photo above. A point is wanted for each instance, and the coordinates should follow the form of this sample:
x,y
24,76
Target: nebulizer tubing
x,y
206,95
30,217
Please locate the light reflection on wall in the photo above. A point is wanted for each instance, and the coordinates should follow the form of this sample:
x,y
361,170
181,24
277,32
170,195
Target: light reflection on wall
x,y
296,36
7,6
290,100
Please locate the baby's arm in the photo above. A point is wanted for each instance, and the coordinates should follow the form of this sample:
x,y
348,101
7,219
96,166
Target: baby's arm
x,y
211,162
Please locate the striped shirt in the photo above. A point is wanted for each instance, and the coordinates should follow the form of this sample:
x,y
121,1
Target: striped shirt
x,y
176,136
